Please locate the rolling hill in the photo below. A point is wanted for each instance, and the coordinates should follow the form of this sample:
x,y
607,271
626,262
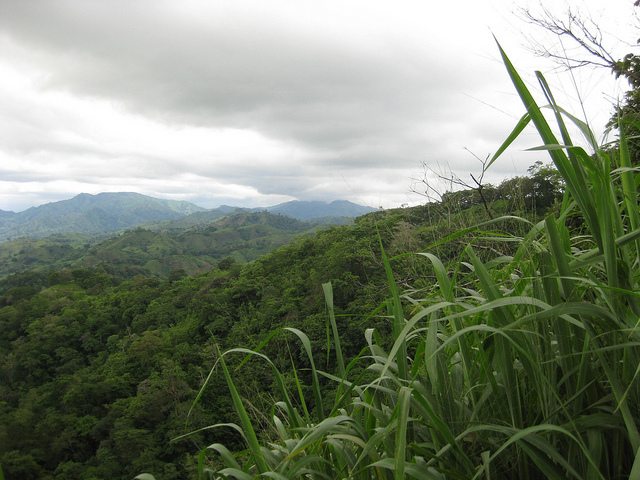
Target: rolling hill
x,y
92,214
104,213
242,236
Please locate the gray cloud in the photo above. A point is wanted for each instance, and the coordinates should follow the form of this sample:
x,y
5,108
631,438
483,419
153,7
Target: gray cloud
x,y
308,96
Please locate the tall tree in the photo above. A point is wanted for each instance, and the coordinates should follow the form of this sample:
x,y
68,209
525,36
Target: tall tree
x,y
589,46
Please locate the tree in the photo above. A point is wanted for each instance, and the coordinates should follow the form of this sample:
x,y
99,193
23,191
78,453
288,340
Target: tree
x,y
589,47
536,192
587,44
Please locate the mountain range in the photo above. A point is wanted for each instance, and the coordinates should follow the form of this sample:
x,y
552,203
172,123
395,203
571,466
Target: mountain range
x,y
241,236
113,212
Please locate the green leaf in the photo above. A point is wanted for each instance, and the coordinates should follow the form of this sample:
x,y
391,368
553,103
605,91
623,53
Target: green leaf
x,y
247,426
328,296
316,384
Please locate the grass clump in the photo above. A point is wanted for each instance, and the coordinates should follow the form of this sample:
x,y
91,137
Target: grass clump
x,y
523,366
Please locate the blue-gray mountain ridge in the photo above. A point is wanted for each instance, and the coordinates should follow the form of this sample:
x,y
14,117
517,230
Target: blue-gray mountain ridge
x,y
113,212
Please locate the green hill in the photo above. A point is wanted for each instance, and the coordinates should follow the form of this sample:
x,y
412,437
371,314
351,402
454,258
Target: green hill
x,y
92,214
314,209
105,345
182,244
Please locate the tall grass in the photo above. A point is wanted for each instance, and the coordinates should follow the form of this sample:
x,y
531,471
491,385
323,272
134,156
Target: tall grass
x,y
524,366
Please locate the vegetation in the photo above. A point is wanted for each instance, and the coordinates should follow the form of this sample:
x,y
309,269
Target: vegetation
x,y
522,366
194,248
101,363
99,370
505,348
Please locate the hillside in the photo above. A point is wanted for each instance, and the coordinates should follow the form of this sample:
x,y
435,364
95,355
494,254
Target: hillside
x,y
105,344
92,214
107,351
310,210
104,213
183,245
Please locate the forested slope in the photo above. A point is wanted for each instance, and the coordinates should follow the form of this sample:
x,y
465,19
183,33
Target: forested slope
x,y
195,246
99,370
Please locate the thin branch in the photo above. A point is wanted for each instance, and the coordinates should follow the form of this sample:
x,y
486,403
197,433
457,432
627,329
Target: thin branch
x,y
583,33
588,40
452,179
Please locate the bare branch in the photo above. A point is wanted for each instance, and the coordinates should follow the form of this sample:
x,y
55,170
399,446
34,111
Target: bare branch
x,y
427,188
587,46
583,33
424,185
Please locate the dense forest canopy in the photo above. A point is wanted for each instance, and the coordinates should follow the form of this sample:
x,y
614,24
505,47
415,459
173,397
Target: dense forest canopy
x,y
101,364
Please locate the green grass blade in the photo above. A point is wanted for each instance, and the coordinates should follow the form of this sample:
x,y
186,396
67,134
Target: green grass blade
x,y
397,314
635,469
226,455
444,283
402,414
412,470
629,189
314,373
328,296
317,432
559,256
235,473
294,417
530,435
520,126
571,172
298,384
247,426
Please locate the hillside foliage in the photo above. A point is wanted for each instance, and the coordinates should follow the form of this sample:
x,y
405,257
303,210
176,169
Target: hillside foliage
x,y
519,361
101,359
448,340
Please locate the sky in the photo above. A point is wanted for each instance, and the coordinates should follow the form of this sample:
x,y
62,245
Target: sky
x,y
254,103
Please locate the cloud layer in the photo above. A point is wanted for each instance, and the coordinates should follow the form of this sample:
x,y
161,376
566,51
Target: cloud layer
x,y
252,102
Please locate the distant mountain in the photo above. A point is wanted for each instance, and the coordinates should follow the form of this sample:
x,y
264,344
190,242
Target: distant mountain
x,y
92,214
242,236
114,212
309,210
315,213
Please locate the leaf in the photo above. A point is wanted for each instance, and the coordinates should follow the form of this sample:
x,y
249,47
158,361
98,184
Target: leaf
x,y
250,433
328,296
316,384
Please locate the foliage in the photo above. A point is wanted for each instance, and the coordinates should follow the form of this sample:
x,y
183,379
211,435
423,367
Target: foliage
x,y
522,366
98,366
194,249
627,119
97,370
472,357
537,192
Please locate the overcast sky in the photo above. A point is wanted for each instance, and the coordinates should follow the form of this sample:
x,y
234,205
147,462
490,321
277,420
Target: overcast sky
x,y
254,103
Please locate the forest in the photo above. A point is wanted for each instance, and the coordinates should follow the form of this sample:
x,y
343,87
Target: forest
x,y
489,334
100,369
